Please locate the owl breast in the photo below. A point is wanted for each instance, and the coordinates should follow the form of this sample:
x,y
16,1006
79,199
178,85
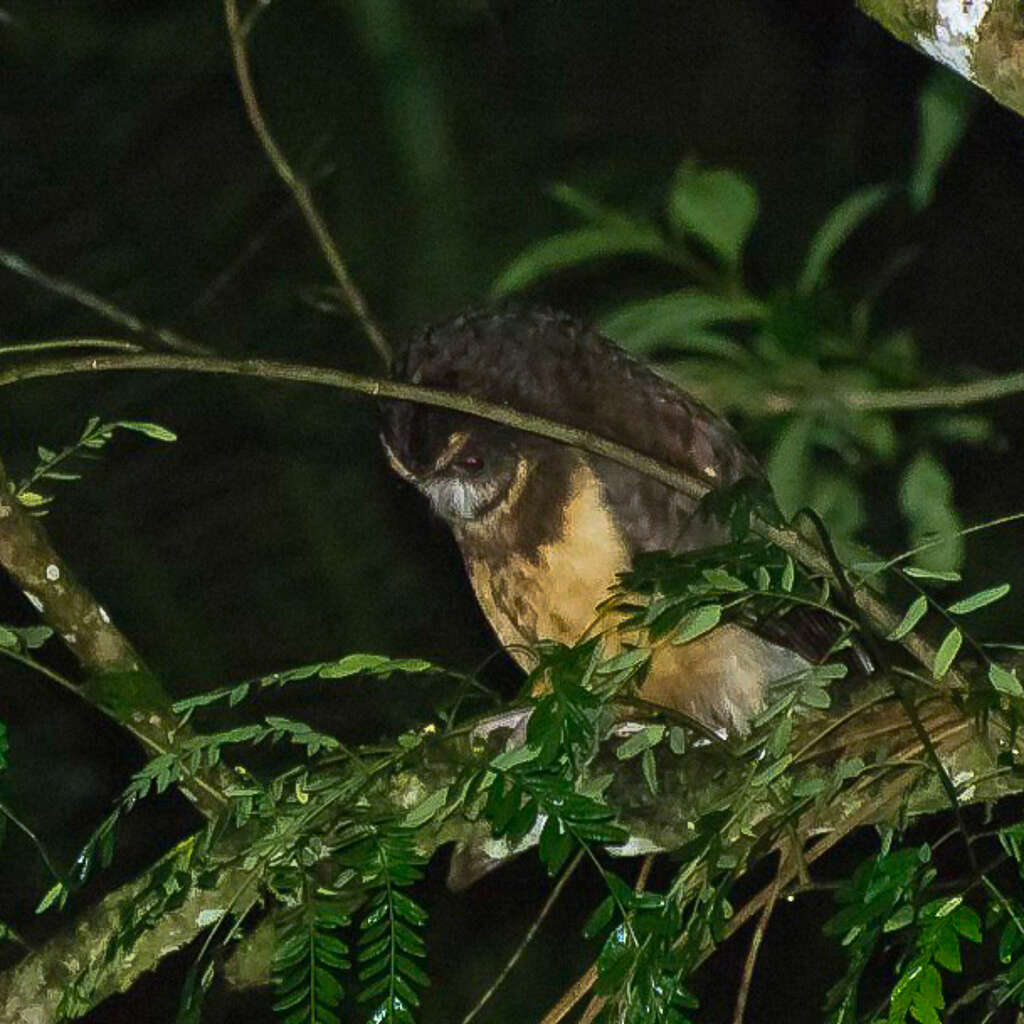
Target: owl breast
x,y
548,592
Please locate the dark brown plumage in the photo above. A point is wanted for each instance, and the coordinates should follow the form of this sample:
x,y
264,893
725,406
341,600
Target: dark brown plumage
x,y
545,528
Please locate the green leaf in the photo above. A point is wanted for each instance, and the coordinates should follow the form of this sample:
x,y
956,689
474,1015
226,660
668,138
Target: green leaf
x,y
516,756
1005,681
926,500
152,430
948,650
698,622
717,206
941,575
573,248
679,321
426,809
372,664
979,600
722,580
647,737
54,893
944,108
7,638
837,228
789,461
912,616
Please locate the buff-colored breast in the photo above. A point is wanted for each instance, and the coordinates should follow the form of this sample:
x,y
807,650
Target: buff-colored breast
x,y
551,592
552,595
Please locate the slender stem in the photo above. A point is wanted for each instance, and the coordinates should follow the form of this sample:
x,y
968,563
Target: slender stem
x,y
212,798
299,189
36,841
986,389
69,290
527,938
755,948
877,612
25,347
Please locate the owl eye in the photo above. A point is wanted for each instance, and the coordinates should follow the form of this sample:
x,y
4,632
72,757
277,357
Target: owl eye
x,y
471,465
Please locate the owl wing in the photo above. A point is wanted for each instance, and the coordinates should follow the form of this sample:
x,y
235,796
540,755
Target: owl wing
x,y
653,517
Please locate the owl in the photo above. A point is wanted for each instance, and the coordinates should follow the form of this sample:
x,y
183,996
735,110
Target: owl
x,y
544,528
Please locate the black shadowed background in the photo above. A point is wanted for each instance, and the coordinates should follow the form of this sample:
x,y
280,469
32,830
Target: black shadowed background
x,y
272,532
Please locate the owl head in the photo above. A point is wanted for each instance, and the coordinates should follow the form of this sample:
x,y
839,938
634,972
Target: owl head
x,y
466,467
548,364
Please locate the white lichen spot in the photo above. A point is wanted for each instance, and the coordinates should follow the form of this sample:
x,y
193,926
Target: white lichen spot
x,y
710,471
209,916
956,33
103,615
70,638
965,792
33,600
53,572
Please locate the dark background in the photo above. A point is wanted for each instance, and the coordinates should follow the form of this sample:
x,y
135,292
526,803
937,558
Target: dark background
x,y
272,533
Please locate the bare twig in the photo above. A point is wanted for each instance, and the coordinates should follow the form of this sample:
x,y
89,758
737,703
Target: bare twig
x,y
31,347
303,197
527,938
755,948
104,307
572,995
883,618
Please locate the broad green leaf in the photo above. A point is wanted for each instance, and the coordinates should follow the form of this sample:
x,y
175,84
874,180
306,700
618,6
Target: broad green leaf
x,y
516,756
571,248
943,111
948,650
426,809
979,600
789,461
698,622
837,228
649,736
7,638
679,320
1005,681
911,618
717,206
926,501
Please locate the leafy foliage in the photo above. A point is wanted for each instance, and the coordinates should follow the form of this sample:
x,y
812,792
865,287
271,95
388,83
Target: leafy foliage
x,y
60,466
390,939
309,957
803,363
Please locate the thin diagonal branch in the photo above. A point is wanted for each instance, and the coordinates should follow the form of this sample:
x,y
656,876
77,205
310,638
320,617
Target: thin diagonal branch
x,y
173,340
299,189
527,938
755,948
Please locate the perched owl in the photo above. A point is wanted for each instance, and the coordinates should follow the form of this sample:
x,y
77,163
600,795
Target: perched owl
x,y
545,528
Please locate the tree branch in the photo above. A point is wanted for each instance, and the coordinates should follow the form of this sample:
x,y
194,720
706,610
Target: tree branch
x,y
106,309
878,613
685,784
117,682
299,189
983,40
